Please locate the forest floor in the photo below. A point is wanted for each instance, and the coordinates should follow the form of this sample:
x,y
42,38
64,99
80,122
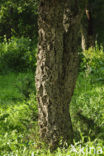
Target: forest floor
x,y
18,117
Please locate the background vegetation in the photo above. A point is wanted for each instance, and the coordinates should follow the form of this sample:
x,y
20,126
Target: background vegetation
x,y
18,106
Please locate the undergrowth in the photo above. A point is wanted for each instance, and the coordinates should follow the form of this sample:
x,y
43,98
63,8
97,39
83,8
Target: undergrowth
x,y
19,114
18,117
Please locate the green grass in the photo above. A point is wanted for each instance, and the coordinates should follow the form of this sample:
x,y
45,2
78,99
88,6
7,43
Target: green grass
x,y
8,91
87,106
18,117
17,114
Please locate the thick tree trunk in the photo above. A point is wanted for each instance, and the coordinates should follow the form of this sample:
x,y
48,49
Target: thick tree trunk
x,y
57,64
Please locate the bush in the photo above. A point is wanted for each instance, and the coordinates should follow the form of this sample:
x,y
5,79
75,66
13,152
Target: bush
x,y
17,54
93,61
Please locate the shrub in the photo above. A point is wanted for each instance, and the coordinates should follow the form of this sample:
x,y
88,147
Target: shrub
x,y
17,54
93,61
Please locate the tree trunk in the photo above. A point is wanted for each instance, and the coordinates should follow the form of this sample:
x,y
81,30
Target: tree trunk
x,y
57,64
87,29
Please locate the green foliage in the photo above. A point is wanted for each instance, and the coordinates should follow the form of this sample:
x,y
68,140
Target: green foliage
x,y
16,115
25,84
17,54
87,106
93,61
18,18
18,118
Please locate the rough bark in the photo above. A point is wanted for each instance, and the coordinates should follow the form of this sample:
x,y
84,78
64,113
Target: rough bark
x,y
57,64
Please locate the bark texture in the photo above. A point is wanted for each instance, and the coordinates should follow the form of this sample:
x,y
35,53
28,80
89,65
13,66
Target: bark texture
x,y
57,64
